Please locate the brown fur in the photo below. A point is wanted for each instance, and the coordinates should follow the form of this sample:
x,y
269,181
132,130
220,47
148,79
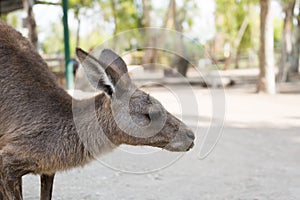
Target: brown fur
x,y
38,131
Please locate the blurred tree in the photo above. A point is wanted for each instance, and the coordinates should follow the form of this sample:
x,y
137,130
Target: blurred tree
x,y
174,18
146,19
278,25
114,14
266,82
152,40
12,19
30,22
295,66
78,6
124,14
236,22
53,43
179,16
3,16
287,56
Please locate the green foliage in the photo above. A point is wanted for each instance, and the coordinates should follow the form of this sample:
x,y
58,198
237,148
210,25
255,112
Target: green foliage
x,y
82,3
53,43
127,17
76,5
3,17
93,39
127,14
230,15
278,24
12,19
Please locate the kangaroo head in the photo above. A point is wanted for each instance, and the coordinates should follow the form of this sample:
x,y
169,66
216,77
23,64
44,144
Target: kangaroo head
x,y
139,118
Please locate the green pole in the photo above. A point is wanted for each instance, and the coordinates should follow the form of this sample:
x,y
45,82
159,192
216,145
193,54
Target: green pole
x,y
68,63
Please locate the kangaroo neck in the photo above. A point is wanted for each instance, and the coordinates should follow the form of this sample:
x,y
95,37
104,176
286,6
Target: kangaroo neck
x,y
94,124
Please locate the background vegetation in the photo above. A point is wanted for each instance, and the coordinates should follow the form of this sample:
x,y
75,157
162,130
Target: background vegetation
x,y
228,31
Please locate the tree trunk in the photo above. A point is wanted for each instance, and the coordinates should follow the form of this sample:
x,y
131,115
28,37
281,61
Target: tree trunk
x,y
227,62
78,32
295,66
237,42
182,66
287,42
146,13
149,54
266,82
181,63
30,23
153,40
237,58
114,11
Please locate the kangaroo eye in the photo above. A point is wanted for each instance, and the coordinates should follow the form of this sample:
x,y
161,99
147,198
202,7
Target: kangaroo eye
x,y
148,116
154,112
153,115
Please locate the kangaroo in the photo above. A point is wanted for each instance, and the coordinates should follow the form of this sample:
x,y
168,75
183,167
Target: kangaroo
x,y
43,130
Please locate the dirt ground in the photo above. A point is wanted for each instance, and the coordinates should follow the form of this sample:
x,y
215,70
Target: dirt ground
x,y
257,157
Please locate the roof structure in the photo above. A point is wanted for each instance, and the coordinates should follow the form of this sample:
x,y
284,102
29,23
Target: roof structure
x,y
7,6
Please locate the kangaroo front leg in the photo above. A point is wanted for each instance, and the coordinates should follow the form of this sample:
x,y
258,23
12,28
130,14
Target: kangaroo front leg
x,y
1,179
3,193
20,187
46,186
1,189
11,172
11,189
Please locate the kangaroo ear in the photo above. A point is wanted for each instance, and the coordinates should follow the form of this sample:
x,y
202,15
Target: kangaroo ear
x,y
95,72
115,67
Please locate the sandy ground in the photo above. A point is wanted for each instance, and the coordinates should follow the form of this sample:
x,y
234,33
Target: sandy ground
x,y
257,157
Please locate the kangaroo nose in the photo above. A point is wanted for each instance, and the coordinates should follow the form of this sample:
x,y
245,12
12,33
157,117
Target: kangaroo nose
x,y
191,135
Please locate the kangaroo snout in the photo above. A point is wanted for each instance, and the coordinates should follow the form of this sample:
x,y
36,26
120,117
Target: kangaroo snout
x,y
190,134
183,141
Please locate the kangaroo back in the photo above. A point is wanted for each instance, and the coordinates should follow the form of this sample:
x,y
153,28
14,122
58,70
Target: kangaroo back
x,y
19,61
28,89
